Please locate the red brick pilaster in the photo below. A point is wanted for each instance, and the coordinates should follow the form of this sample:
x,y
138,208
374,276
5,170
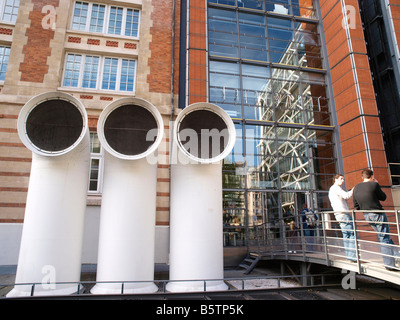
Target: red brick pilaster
x,y
197,64
160,64
356,110
37,50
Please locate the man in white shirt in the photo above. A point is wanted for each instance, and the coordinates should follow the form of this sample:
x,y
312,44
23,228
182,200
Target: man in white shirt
x,y
338,198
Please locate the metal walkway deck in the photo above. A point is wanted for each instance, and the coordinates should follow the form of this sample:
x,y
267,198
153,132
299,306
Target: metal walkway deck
x,y
326,246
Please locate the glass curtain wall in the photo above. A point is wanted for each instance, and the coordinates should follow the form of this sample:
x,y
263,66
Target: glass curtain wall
x,y
266,71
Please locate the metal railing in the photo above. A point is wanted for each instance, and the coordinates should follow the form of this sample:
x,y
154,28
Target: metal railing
x,y
290,238
235,284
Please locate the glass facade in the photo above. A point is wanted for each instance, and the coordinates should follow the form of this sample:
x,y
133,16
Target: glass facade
x,y
266,71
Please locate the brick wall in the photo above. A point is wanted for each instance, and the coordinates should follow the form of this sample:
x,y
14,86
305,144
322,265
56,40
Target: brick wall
x,y
159,81
15,163
37,50
357,114
160,64
197,86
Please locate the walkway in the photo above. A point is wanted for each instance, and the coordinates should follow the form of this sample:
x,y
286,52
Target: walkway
x,y
275,240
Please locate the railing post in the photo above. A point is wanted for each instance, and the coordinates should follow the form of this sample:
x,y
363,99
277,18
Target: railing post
x,y
353,215
258,240
302,237
325,241
397,225
285,238
33,289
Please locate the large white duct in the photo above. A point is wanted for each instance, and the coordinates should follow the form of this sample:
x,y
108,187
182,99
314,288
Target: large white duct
x,y
54,127
130,130
203,136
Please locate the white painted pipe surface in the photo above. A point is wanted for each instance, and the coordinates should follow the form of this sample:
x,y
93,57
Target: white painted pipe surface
x,y
127,222
54,127
196,225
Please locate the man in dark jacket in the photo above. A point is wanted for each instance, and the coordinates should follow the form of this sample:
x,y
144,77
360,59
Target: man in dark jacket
x,y
367,196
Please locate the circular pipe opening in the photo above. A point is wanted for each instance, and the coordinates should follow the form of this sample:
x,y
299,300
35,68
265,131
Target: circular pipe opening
x,y
205,132
126,129
52,123
130,128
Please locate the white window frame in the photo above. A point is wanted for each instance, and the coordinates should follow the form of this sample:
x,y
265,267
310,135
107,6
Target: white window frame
x,y
106,20
2,9
96,156
2,59
100,74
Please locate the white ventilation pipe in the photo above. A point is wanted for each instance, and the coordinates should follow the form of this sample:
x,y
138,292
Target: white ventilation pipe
x,y
54,127
203,136
130,130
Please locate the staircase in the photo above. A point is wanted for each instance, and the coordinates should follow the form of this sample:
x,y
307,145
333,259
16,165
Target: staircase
x,y
250,262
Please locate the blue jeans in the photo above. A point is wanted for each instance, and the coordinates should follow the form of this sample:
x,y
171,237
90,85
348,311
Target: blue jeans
x,y
347,227
379,222
309,233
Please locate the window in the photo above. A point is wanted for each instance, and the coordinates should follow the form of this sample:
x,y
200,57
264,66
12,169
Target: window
x,y
97,18
115,20
132,23
127,75
91,70
9,10
283,7
92,17
110,74
257,37
80,16
96,72
4,56
96,164
72,70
